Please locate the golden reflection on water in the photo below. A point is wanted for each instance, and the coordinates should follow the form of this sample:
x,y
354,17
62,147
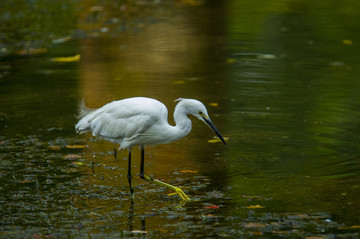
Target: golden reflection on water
x,y
148,63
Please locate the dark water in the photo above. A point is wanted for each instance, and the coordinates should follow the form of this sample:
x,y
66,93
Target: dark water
x,y
280,79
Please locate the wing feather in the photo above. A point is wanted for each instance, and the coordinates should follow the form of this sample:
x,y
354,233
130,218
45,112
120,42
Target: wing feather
x,y
124,120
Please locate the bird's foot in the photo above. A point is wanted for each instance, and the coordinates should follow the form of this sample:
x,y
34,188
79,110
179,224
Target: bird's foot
x,y
180,192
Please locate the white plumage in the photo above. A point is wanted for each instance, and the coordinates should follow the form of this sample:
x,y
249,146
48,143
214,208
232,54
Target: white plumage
x,y
141,121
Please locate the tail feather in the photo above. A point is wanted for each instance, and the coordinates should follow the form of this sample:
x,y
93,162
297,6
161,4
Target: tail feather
x,y
82,126
83,110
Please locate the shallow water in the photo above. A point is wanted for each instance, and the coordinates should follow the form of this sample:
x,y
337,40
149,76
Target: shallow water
x,y
279,79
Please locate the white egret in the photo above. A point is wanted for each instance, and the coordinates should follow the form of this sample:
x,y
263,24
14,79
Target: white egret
x,y
142,121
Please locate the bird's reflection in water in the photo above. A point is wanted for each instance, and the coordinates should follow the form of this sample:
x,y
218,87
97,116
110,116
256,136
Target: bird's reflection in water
x,y
131,220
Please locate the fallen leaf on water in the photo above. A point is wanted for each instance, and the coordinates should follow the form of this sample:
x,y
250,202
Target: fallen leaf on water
x,y
55,148
230,60
212,207
266,56
347,42
254,225
72,156
24,181
350,227
139,231
255,206
77,163
66,58
188,171
214,104
75,146
178,82
163,230
217,140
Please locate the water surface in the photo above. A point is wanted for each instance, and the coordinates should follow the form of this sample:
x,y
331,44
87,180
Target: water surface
x,y
279,79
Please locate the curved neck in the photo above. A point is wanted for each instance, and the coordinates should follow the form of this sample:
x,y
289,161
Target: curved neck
x,y
182,123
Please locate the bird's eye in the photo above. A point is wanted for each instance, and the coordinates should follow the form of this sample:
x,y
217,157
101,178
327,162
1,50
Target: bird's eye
x,y
200,112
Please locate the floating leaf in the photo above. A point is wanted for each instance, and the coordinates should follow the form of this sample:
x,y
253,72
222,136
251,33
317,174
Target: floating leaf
x,y
66,58
178,82
72,156
214,104
255,225
216,140
139,231
24,181
347,42
354,227
55,148
212,207
230,60
77,163
255,206
75,146
266,56
163,230
188,171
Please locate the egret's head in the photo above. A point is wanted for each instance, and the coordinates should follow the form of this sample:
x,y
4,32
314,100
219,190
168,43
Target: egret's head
x,y
198,109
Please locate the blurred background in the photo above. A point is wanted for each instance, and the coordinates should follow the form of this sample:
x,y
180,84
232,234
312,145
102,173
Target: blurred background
x,y
279,79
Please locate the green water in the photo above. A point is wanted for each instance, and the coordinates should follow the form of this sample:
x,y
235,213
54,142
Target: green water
x,y
279,79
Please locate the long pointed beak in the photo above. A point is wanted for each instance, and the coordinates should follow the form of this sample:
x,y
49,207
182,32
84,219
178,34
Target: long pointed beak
x,y
216,131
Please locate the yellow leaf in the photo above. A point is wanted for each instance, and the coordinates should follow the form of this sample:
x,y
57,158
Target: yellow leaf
x,y
216,140
163,230
77,163
347,42
255,206
230,60
178,82
66,58
75,146
350,227
188,171
214,104
55,148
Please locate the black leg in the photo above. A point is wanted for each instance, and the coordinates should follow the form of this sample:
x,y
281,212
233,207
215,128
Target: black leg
x,y
130,217
92,167
142,162
129,178
115,153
